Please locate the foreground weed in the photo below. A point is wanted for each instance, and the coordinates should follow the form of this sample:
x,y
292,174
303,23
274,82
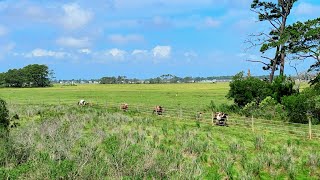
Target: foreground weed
x,y
259,142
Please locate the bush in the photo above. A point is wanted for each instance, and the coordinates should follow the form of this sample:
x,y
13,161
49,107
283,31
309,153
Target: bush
x,y
282,86
269,108
299,106
4,115
245,90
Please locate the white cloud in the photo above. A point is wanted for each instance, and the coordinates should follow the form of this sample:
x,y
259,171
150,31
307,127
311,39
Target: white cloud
x,y
5,49
210,22
73,42
137,52
190,54
84,51
3,30
161,51
45,53
35,12
307,9
75,17
116,53
124,39
248,56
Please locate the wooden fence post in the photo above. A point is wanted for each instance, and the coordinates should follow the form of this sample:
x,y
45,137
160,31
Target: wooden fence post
x,y
212,118
310,130
252,123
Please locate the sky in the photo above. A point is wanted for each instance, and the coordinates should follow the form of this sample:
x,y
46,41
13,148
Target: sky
x,y
84,39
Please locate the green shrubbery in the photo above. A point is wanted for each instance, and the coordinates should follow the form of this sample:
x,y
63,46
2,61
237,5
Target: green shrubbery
x,y
247,89
268,108
277,100
302,105
4,115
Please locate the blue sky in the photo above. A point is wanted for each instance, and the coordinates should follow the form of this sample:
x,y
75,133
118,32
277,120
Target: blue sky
x,y
136,38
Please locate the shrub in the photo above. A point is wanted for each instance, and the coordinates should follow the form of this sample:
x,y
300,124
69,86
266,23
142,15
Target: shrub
x,y
247,89
269,108
282,86
299,106
4,115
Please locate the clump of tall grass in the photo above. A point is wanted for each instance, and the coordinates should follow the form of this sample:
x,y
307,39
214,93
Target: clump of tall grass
x,y
259,142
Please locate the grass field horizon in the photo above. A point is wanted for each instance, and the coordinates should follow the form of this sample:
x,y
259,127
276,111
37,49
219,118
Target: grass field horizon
x,y
192,96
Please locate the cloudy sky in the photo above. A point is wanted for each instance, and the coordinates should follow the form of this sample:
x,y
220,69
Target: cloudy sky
x,y
135,38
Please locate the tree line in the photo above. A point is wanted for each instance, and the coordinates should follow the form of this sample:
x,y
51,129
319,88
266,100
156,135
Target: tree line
x,y
34,75
166,78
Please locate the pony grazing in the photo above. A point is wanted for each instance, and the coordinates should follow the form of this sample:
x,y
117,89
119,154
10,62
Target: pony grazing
x,y
221,119
82,103
158,110
124,107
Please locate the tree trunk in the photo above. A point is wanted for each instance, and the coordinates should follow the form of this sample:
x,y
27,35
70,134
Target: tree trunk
x,y
274,65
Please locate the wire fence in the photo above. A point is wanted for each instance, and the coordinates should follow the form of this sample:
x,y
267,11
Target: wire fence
x,y
255,124
183,113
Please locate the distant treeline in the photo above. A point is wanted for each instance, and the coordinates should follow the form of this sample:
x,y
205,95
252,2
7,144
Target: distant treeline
x,y
167,78
33,75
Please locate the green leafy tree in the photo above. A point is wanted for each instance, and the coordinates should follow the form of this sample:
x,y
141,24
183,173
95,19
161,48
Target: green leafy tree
x,y
14,78
245,90
37,75
304,40
108,80
276,14
2,79
282,86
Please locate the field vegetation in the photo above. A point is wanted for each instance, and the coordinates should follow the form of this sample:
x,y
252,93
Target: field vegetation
x,y
71,142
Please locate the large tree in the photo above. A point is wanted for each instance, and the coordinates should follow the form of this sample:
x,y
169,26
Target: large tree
x,y
37,75
304,41
276,14
14,78
34,75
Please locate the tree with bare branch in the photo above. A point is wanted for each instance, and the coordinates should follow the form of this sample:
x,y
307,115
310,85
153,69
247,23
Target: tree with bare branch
x,y
276,14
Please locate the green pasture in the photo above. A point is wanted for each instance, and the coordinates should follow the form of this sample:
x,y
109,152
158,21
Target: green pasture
x,y
194,96
73,142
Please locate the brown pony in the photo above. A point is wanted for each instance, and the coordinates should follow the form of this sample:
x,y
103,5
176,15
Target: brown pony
x,y
124,107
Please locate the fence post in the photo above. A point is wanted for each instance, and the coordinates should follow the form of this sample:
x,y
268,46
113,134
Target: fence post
x,y
252,123
310,130
212,118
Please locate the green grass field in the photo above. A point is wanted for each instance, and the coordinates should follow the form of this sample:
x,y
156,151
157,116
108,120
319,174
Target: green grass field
x,y
71,142
57,139
195,96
